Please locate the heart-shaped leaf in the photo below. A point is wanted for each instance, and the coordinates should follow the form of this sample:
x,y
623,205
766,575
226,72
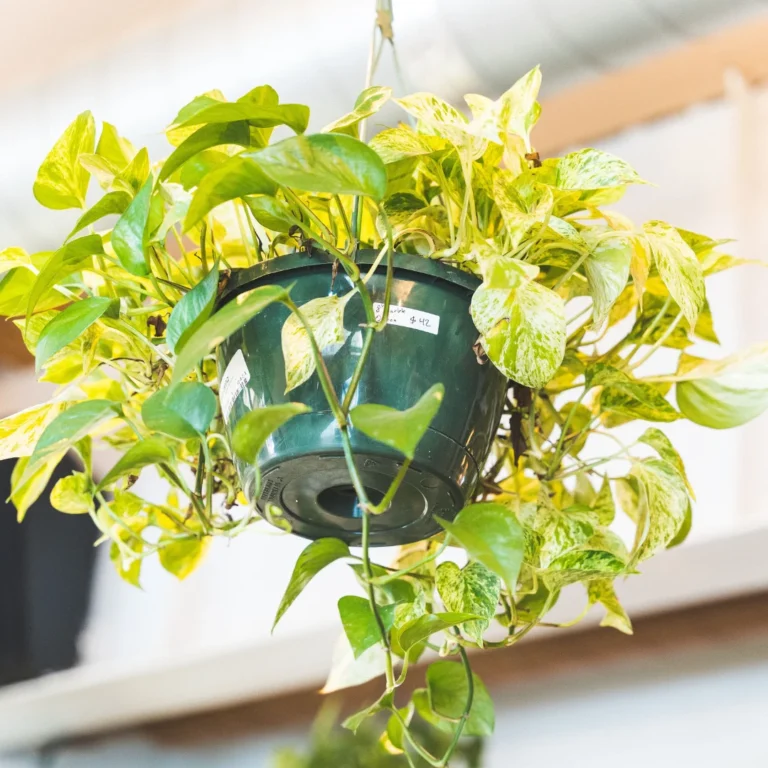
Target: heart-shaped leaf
x,y
448,690
255,427
223,324
129,236
67,325
193,309
401,430
423,627
325,316
360,624
214,135
325,162
678,267
238,177
112,203
469,590
61,181
368,103
67,428
70,258
184,411
145,453
725,393
523,331
318,555
491,534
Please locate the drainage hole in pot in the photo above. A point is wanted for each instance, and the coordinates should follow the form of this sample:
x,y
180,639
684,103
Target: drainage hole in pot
x,y
341,500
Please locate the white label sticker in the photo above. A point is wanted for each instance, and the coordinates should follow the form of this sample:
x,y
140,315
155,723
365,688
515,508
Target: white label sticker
x,y
232,383
409,318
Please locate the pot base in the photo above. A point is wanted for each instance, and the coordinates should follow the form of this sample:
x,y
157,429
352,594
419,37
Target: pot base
x,y
317,498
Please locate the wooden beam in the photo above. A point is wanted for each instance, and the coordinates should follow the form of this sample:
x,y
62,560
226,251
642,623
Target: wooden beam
x,y
723,624
653,88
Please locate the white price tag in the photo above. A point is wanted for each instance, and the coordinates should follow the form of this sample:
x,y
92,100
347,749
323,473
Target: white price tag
x,y
232,383
409,318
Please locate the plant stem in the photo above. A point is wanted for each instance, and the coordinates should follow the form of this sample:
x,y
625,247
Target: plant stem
x,y
467,708
660,341
648,331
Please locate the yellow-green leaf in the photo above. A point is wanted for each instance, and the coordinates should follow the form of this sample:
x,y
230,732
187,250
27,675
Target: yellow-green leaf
x,y
469,590
182,556
73,494
20,432
523,331
602,591
325,317
61,181
368,103
678,267
665,505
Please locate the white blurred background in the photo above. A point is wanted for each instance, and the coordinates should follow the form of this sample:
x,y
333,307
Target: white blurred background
x,y
205,643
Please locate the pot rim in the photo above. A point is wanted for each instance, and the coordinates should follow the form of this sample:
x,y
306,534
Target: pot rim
x,y
242,280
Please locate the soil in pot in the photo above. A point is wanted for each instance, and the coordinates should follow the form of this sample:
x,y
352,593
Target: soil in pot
x,y
429,339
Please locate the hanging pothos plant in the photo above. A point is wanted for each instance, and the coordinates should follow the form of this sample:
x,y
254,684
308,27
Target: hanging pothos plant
x,y
574,300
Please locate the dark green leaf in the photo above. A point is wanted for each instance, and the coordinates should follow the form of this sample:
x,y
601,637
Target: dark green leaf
x,y
67,325
238,177
223,324
491,534
255,427
271,213
129,237
325,162
192,311
214,135
401,430
360,625
423,627
152,450
70,258
448,694
61,181
184,410
312,560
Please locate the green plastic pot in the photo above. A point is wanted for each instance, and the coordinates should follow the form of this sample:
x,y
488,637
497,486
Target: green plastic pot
x,y
429,339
